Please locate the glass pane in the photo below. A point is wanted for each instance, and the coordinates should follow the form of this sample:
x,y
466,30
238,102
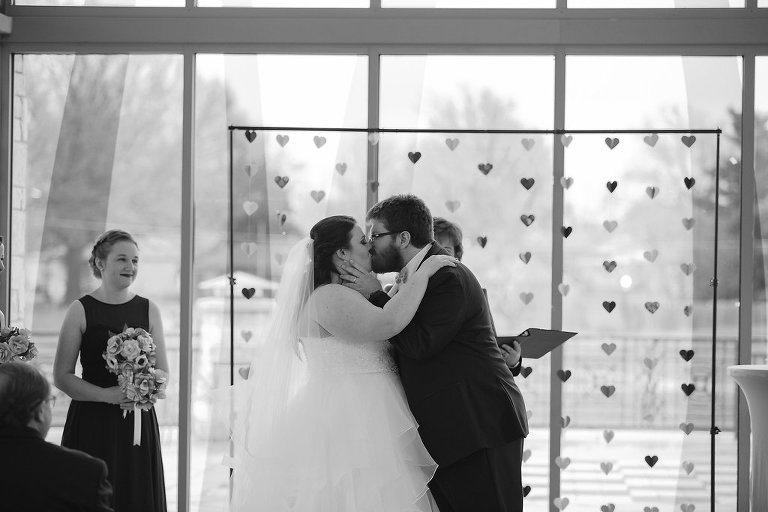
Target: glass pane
x,y
760,291
284,181
285,3
470,4
474,180
102,3
97,146
655,4
638,262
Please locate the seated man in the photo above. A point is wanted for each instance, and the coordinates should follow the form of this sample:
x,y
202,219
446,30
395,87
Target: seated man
x,y
37,475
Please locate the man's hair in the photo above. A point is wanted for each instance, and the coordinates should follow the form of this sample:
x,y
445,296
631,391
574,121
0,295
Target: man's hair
x,y
22,389
451,231
405,212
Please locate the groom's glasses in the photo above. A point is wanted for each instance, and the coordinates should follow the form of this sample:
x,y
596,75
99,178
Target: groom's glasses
x,y
374,236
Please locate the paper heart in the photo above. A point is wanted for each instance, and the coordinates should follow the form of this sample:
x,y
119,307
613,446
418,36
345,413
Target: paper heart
x,y
244,373
526,297
561,503
687,355
650,363
688,268
526,455
611,186
248,170
650,509
526,490
566,231
687,428
373,185
482,240
250,135
608,348
648,418
246,335
608,390
688,140
609,306
281,217
249,248
562,462
689,182
317,195
564,375
688,310
566,140
525,371
651,139
606,467
528,413
319,141
250,207
687,507
248,292
610,507
563,289
452,205
610,225
688,389
282,140
566,182
565,421
651,460
608,435
527,183
373,138
525,257
688,467
281,181
279,258
485,168
527,219
452,143
652,191
611,143
652,307
414,156
651,255
341,168
609,266
528,143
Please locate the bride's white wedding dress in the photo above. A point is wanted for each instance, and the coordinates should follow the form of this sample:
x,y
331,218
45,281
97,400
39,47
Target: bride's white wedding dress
x,y
347,443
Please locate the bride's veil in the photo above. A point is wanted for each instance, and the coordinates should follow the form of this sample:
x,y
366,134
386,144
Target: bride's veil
x,y
262,404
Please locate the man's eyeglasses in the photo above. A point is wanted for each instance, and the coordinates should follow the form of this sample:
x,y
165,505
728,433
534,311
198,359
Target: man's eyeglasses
x,y
51,400
374,236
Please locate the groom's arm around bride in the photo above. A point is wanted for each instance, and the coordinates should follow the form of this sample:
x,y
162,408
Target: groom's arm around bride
x,y
470,412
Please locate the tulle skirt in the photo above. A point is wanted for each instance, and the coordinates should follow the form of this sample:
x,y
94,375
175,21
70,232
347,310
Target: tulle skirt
x,y
347,443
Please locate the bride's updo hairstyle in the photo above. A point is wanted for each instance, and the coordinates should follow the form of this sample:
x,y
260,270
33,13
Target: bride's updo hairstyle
x,y
329,235
103,246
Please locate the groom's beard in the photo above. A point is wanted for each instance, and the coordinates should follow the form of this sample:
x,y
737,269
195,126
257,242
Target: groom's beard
x,y
387,260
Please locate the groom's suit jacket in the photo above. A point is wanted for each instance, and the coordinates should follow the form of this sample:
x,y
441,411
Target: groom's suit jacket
x,y
458,386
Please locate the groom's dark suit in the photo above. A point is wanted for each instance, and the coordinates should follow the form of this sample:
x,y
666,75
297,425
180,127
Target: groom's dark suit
x,y
471,414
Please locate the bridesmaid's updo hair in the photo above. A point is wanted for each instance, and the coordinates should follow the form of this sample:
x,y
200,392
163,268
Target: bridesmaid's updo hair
x,y
329,235
103,246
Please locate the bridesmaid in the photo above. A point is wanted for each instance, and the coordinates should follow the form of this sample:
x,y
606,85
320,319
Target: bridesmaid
x,y
95,422
2,267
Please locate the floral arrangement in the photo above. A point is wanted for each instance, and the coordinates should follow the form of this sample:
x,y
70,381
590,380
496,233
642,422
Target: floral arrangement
x,y
16,345
132,355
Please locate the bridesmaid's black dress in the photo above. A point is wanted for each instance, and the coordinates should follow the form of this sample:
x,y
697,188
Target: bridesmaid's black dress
x,y
99,429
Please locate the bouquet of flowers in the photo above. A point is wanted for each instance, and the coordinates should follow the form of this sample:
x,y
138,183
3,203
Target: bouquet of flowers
x,y
16,345
132,355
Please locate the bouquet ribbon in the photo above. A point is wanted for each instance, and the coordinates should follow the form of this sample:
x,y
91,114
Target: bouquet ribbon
x,y
136,425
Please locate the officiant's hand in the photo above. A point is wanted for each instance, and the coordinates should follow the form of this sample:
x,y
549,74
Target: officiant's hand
x,y
355,277
512,353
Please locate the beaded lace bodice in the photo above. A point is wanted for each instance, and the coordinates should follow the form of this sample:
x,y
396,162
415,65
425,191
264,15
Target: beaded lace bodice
x,y
335,355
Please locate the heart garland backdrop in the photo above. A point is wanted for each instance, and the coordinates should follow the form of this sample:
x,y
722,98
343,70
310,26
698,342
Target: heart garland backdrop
x,y
479,180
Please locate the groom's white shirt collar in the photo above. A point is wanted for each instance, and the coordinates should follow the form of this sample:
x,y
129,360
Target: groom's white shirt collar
x,y
412,266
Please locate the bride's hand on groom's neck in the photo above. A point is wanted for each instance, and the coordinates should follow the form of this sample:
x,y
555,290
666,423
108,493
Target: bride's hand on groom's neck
x,y
354,277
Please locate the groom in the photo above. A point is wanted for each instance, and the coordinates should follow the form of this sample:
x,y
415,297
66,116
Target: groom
x,y
471,414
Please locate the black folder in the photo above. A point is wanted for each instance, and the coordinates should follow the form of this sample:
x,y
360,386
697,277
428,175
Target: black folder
x,y
536,342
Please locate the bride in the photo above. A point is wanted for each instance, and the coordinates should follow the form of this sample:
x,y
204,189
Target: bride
x,y
322,424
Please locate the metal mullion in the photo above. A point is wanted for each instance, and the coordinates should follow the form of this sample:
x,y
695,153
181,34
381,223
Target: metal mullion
x,y
186,306
558,209
746,272
6,142
374,93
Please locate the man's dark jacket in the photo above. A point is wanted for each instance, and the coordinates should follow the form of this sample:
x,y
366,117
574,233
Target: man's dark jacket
x,y
39,476
458,386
